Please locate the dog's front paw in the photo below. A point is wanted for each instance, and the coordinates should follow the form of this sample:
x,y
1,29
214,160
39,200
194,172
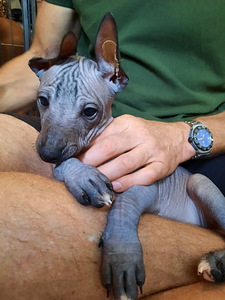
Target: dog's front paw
x,y
122,268
85,183
212,266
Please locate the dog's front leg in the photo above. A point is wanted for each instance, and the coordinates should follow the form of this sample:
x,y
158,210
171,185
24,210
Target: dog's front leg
x,y
85,183
122,257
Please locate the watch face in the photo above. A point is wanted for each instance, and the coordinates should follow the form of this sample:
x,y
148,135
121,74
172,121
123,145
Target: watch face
x,y
203,138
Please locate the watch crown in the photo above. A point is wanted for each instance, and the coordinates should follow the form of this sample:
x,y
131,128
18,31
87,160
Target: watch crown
x,y
190,139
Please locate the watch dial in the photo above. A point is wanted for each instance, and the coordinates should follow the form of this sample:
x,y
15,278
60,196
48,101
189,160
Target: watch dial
x,y
204,137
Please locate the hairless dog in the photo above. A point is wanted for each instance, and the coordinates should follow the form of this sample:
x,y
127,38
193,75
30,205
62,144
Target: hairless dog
x,y
74,99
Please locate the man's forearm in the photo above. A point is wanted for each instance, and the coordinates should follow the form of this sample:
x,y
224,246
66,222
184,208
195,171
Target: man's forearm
x,y
18,83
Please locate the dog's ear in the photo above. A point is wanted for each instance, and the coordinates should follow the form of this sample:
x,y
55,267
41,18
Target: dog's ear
x,y
107,53
38,65
68,48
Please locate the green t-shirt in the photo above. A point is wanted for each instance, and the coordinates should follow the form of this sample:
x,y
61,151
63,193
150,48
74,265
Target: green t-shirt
x,y
173,52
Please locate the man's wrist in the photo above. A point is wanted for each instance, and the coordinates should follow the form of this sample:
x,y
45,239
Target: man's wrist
x,y
183,148
188,150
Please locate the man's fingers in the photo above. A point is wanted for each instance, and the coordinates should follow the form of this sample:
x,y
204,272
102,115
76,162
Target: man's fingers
x,y
125,163
114,140
144,176
106,149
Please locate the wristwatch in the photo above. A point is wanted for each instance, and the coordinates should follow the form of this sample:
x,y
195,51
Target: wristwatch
x,y
200,138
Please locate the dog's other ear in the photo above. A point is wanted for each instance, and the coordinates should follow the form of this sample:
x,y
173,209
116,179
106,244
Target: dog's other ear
x,y
38,65
68,48
107,53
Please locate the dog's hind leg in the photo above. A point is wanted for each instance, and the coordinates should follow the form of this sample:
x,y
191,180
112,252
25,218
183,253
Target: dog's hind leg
x,y
205,194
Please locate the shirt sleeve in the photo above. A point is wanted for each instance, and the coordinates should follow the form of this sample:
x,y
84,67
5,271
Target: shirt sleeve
x,y
64,3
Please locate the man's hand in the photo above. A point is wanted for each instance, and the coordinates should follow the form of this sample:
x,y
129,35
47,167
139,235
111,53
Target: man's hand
x,y
152,149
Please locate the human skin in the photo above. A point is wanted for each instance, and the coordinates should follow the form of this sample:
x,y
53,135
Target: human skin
x,y
49,242
197,291
17,148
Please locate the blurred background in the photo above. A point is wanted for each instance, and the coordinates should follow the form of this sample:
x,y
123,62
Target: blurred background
x,y
17,18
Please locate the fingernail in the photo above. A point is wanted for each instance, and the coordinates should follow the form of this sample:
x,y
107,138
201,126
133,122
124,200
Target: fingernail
x,y
116,186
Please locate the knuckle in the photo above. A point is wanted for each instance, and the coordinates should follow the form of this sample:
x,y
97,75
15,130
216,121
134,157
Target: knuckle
x,y
127,164
108,148
154,174
144,131
127,119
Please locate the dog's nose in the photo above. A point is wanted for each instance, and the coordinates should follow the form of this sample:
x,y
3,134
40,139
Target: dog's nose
x,y
50,157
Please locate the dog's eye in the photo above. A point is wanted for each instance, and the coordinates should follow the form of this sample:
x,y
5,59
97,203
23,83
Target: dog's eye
x,y
43,101
90,112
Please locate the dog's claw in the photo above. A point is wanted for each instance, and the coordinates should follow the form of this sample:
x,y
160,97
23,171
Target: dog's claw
x,y
100,244
108,286
85,199
140,284
109,185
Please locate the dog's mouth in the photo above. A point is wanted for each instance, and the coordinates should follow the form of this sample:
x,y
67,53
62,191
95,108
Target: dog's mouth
x,y
57,157
68,152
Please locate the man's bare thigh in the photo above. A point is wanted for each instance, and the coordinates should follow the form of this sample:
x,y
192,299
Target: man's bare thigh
x,y
49,244
17,148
